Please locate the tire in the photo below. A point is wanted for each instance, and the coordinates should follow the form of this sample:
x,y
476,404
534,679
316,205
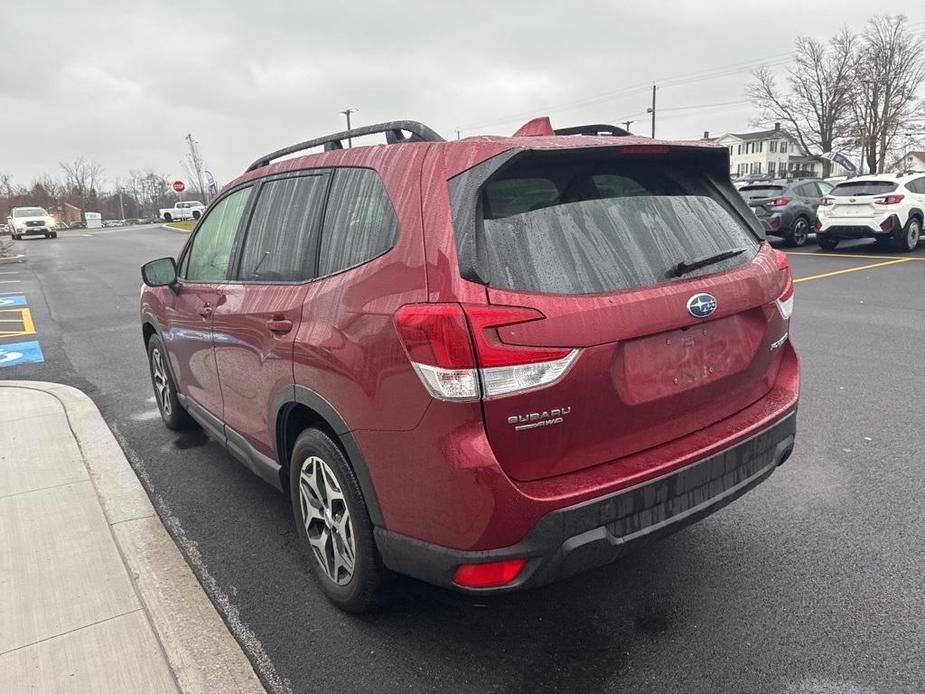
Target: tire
x,y
906,239
17,237
54,234
197,214
354,588
165,390
800,233
168,217
827,243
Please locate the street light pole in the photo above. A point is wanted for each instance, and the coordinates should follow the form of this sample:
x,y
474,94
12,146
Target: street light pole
x,y
346,113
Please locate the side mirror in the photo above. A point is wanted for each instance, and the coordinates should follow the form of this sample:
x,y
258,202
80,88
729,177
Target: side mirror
x,y
160,273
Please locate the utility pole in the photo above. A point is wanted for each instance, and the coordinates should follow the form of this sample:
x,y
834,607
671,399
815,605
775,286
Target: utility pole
x,y
347,112
121,204
626,124
195,160
652,110
458,134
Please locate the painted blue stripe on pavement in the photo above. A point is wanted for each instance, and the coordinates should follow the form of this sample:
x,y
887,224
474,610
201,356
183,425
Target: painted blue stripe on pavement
x,y
15,353
12,300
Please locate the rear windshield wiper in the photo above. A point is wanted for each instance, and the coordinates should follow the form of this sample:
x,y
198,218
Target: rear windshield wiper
x,y
686,266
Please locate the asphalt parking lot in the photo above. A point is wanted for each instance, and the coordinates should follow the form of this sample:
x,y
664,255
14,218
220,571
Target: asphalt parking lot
x,y
811,583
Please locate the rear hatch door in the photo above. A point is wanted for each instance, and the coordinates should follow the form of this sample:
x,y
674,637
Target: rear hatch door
x,y
593,242
855,199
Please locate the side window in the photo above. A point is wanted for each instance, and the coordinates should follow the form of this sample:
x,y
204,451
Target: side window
x,y
807,190
279,245
360,222
824,187
207,260
917,186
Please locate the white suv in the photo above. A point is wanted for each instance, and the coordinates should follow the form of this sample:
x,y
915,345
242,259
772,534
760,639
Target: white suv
x,y
886,207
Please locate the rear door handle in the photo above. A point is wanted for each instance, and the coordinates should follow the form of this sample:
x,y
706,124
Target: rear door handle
x,y
279,325
206,310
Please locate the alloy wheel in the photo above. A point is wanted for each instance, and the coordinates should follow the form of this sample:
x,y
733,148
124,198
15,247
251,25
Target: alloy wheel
x,y
327,520
800,232
161,382
912,236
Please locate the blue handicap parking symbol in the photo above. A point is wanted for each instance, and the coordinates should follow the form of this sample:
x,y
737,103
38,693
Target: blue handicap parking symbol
x,y
14,300
15,353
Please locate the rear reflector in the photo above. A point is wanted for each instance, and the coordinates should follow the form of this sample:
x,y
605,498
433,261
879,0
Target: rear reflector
x,y
458,354
491,575
784,302
886,224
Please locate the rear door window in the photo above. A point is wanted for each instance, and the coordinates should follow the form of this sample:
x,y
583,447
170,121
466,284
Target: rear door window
x,y
612,224
851,188
281,237
359,224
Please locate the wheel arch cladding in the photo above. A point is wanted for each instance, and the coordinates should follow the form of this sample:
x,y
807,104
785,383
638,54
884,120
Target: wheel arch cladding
x,y
301,408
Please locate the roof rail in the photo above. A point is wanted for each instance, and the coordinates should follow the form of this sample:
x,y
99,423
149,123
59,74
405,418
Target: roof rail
x,y
600,129
393,135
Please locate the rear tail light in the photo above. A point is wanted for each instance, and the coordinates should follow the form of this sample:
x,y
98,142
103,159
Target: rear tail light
x,y
826,202
459,362
889,199
489,575
785,301
780,202
775,223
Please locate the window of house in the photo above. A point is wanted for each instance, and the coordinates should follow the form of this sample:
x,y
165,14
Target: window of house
x,y
359,224
772,147
280,241
783,147
771,168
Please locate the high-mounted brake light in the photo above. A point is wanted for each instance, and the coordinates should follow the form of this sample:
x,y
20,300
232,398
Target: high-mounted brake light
x,y
785,301
780,202
489,575
458,354
644,149
889,199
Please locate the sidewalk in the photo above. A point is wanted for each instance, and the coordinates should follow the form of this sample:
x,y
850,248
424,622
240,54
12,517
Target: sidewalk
x,y
94,594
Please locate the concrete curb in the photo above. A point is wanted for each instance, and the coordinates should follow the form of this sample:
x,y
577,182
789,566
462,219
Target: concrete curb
x,y
13,259
200,650
175,230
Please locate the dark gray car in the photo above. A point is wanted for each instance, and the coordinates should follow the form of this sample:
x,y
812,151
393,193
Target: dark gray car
x,y
786,208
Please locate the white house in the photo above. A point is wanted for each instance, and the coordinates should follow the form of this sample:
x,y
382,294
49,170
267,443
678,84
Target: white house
x,y
913,162
771,153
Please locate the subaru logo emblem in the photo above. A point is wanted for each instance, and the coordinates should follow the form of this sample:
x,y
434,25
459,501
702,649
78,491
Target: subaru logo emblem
x,y
701,305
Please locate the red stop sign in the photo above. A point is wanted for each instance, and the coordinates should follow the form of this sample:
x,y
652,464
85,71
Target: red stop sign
x,y
179,186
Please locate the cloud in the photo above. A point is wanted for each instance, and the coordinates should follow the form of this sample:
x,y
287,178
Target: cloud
x,y
123,82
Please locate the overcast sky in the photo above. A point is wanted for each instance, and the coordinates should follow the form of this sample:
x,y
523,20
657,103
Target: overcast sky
x,y
123,81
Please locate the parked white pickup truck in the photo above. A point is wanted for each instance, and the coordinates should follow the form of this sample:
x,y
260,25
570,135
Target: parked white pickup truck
x,y
26,221
190,209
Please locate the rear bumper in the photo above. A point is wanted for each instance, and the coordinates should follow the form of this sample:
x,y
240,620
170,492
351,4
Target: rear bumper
x,y
596,532
868,228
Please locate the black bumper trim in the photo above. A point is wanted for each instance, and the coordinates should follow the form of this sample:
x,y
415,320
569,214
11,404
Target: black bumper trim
x,y
596,532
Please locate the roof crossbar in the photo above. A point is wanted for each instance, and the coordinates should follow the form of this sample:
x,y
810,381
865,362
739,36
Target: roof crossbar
x,y
394,134
593,130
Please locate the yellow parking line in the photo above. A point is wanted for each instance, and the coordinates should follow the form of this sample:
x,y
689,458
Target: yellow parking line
x,y
871,266
848,256
25,318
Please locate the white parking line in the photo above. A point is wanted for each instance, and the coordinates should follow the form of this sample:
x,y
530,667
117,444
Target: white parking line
x,y
9,281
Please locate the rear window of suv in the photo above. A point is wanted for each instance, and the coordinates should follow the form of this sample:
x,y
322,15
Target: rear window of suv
x,y
849,188
561,224
749,192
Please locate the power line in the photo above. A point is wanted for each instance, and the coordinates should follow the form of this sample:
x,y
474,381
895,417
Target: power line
x,y
686,78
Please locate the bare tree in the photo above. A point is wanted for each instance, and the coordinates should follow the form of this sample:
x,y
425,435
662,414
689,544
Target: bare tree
x,y
815,104
890,69
82,178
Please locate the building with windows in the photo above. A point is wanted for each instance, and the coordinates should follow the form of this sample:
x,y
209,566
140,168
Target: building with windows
x,y
772,153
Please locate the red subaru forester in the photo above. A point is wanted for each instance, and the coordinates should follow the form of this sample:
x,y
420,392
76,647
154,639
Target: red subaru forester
x,y
488,363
